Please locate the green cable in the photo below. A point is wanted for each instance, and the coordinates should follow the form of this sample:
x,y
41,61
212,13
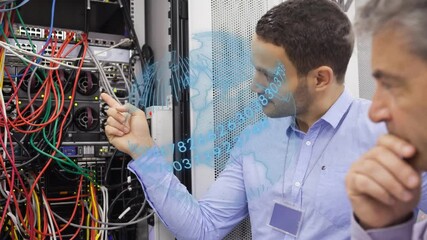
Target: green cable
x,y
17,43
69,162
25,28
54,136
58,160
4,35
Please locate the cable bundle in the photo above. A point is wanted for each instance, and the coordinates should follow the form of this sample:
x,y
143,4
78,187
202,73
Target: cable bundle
x,y
31,141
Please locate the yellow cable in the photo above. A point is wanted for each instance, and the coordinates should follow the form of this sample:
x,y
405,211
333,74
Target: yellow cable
x,y
38,215
7,226
14,232
2,57
88,223
94,204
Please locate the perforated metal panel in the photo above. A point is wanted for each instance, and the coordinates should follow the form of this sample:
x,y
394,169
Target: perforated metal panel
x,y
366,84
239,18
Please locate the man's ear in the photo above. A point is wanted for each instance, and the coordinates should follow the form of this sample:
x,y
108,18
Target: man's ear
x,y
322,77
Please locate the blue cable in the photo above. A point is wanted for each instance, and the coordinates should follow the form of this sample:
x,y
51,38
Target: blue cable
x,y
19,75
13,8
52,15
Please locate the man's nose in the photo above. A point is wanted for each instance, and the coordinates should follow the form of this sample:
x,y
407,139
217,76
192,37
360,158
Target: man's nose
x,y
379,110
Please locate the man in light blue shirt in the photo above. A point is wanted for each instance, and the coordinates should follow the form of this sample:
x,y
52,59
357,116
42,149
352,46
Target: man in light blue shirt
x,y
290,176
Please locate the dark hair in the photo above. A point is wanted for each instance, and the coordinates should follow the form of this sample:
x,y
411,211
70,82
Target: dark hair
x,y
409,16
314,33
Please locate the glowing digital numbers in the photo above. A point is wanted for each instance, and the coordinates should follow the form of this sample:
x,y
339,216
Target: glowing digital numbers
x,y
257,105
187,164
269,93
263,100
191,143
221,130
217,152
274,88
277,81
181,147
177,166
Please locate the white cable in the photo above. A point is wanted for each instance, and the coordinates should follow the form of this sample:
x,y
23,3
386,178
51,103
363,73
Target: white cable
x,y
101,215
126,40
106,204
109,228
15,222
49,230
103,78
49,215
3,105
55,60
2,191
20,56
124,79
103,212
124,213
2,44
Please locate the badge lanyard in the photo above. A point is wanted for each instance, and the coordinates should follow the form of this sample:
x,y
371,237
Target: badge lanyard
x,y
285,217
307,174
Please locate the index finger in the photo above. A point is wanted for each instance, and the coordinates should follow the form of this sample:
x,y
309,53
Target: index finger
x,y
109,100
399,146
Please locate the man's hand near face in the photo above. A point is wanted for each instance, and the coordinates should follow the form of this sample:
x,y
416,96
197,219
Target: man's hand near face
x,y
127,128
382,187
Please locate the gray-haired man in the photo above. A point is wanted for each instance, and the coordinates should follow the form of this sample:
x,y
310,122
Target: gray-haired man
x,y
384,184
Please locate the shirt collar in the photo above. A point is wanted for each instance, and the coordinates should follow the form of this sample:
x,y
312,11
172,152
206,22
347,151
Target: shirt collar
x,y
333,116
336,112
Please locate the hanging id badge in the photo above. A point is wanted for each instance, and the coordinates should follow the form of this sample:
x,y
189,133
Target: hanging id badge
x,y
286,219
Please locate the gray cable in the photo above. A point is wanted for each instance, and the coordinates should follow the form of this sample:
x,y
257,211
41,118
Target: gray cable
x,y
98,228
115,224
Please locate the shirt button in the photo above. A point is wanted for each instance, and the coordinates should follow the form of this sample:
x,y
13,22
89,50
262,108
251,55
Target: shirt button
x,y
297,184
308,143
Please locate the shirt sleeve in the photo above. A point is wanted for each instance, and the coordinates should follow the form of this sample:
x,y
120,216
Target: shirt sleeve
x,y
422,205
398,232
212,217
